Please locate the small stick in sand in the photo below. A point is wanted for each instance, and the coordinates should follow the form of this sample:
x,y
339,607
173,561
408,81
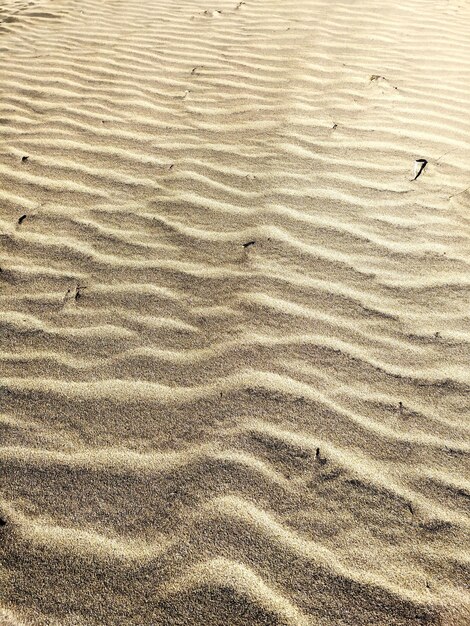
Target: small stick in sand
x,y
21,219
248,244
400,407
420,164
410,506
318,457
78,292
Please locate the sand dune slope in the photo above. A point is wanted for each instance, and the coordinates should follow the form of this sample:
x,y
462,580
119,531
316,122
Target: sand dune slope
x,y
234,310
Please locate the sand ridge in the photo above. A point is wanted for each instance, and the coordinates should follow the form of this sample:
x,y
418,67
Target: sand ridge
x,y
234,252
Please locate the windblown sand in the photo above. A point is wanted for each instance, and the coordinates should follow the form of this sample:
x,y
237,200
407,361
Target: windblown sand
x,y
194,432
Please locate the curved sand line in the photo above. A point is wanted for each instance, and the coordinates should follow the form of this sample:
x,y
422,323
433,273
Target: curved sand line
x,y
235,330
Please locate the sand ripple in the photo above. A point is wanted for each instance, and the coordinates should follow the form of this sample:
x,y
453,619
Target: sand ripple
x,y
234,325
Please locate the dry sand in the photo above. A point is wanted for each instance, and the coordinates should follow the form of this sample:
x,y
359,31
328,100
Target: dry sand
x,y
198,432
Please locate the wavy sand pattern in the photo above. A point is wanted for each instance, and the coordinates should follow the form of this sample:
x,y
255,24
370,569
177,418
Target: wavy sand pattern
x,y
198,432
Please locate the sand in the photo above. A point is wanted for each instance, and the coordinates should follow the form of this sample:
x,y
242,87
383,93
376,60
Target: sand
x,y
234,309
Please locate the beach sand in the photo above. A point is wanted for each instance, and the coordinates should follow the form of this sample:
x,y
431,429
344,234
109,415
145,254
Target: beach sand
x,y
234,309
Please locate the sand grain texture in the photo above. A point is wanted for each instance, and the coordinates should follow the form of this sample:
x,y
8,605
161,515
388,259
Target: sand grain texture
x,y
195,431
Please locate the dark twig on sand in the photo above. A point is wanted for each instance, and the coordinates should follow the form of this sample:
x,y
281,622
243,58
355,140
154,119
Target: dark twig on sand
x,y
422,164
78,291
318,458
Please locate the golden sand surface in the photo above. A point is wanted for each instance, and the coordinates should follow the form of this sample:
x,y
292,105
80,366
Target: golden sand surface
x,y
234,312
